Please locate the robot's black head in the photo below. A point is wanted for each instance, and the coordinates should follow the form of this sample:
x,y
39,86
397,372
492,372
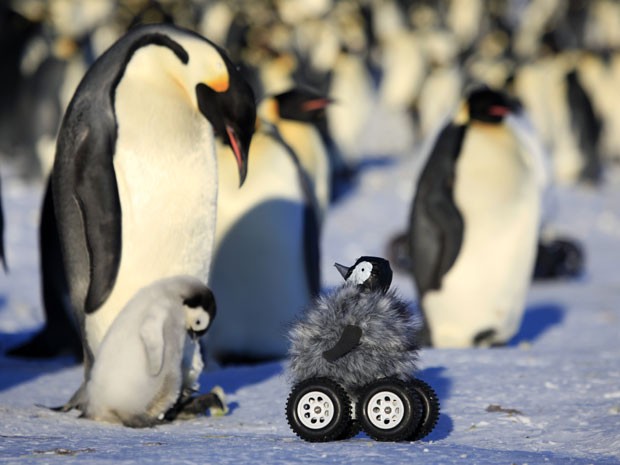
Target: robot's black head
x,y
371,273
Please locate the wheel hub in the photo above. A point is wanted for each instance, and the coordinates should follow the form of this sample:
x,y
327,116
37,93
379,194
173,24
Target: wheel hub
x,y
385,410
315,410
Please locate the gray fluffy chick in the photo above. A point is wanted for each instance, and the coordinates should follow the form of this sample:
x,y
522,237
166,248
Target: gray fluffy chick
x,y
359,333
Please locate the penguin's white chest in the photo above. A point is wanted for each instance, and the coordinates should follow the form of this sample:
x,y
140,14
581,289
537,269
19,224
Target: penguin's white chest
x,y
166,173
498,195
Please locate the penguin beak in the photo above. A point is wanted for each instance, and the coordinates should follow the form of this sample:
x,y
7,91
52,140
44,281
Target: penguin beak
x,y
316,104
240,150
343,270
195,335
498,110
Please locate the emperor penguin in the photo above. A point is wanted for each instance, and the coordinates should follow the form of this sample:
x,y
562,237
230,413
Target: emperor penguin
x,y
474,223
134,182
149,360
267,237
297,114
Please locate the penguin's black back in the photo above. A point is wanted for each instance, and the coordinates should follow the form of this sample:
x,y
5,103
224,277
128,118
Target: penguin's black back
x,y
587,125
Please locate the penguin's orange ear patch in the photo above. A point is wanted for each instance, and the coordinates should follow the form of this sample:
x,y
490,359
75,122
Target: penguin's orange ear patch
x,y
219,84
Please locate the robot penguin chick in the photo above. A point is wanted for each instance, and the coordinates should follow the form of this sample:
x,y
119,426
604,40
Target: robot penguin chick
x,y
359,333
352,350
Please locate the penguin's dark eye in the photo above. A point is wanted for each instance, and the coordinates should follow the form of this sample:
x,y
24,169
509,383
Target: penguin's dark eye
x,y
198,322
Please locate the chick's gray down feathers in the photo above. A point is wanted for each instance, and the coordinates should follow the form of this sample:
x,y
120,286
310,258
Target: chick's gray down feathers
x,y
388,345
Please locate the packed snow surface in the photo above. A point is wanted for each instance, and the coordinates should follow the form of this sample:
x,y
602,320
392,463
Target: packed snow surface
x,y
551,396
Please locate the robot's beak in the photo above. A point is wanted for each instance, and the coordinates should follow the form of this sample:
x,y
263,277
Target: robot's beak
x,y
343,270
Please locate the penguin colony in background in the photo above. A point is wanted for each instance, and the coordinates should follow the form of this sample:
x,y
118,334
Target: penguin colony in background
x,y
146,370
407,60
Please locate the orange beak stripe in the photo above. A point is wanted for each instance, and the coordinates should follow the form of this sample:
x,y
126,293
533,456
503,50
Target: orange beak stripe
x,y
316,104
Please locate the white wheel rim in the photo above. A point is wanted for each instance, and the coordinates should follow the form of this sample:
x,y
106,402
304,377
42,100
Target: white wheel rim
x,y
385,410
315,410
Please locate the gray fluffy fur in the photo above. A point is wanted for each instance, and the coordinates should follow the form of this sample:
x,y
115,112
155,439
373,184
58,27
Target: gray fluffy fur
x,y
388,346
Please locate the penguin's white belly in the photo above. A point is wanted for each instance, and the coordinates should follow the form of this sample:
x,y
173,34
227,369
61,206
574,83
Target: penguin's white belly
x,y
166,175
499,199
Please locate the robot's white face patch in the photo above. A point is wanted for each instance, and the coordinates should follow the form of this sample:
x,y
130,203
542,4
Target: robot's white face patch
x,y
360,273
197,319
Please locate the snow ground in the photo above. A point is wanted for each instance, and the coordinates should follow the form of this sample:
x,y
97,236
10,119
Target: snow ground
x,y
555,388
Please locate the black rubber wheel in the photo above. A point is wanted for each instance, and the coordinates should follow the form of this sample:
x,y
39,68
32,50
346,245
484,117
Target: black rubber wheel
x,y
430,409
351,431
389,410
319,410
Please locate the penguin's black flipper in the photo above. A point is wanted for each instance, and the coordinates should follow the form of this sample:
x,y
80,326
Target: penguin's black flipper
x,y
349,340
97,198
2,254
436,225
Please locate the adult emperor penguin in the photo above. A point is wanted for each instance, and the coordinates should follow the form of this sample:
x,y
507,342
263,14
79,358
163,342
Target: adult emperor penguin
x,y
474,224
267,237
149,360
297,114
134,181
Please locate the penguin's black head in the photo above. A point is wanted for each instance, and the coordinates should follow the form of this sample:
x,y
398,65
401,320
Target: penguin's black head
x,y
200,311
232,113
302,104
371,273
490,106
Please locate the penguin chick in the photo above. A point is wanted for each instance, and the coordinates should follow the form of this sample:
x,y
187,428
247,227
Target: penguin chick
x,y
150,359
359,333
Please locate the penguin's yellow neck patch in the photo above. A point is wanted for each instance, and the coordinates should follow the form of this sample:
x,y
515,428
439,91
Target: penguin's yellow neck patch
x,y
268,110
462,115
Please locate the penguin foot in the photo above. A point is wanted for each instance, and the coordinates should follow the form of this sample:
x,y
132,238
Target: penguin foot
x,y
77,401
189,407
559,258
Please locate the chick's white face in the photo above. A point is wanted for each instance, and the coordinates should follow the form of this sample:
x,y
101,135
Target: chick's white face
x,y
360,273
196,319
